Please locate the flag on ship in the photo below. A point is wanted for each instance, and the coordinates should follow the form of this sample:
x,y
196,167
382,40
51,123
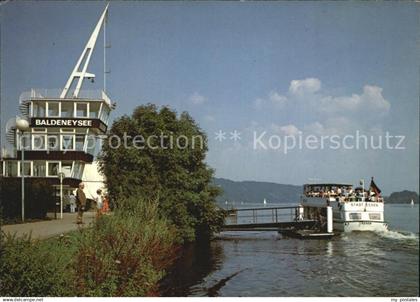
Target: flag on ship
x,y
374,187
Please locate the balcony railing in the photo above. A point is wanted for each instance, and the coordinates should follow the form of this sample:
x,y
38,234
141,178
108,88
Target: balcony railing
x,y
55,94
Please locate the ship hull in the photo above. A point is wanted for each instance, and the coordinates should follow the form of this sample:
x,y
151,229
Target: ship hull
x,y
352,216
360,226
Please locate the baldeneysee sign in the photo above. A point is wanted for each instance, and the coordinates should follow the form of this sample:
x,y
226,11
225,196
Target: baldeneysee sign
x,y
68,122
49,122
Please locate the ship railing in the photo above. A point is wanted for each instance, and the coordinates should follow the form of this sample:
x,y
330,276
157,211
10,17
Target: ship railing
x,y
55,94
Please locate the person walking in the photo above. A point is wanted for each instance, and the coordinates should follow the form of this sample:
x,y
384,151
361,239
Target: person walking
x,y
80,202
72,200
99,203
105,207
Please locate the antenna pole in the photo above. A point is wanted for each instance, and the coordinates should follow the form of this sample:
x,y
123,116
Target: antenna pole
x,y
105,21
80,71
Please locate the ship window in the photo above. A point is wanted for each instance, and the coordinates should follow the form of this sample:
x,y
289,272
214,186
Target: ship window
x,y
39,169
66,168
67,109
38,142
53,142
53,109
38,109
374,216
11,168
67,142
82,109
355,216
94,110
53,168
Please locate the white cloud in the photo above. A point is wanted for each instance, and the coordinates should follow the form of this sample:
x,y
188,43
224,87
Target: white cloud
x,y
277,99
290,129
370,100
341,126
197,99
273,98
306,86
327,114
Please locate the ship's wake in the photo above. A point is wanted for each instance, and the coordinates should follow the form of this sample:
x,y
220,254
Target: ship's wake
x,y
398,235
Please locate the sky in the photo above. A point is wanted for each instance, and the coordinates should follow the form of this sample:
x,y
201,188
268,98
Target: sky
x,y
274,69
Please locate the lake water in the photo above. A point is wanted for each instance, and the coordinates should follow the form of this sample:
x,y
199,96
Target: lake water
x,y
265,264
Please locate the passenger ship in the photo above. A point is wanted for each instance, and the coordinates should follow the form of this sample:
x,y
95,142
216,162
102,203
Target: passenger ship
x,y
353,209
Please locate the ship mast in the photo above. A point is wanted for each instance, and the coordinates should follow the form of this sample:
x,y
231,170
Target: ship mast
x,y
80,70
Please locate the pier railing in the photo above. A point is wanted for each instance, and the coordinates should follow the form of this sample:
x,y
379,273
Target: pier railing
x,y
280,219
267,215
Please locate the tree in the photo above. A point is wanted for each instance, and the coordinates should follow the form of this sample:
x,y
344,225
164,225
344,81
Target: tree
x,y
161,156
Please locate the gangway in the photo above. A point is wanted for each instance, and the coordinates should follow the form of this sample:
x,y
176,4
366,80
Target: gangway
x,y
289,220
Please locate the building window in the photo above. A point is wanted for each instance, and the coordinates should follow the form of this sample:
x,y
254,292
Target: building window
x,y
53,109
82,109
25,141
38,109
80,142
105,114
39,130
67,109
26,168
53,142
66,168
94,110
39,169
91,144
38,142
67,142
67,130
78,170
11,168
53,168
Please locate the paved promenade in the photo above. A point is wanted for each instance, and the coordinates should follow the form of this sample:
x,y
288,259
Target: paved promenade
x,y
49,228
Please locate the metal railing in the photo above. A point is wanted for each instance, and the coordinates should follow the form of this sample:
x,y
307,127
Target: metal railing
x,y
55,94
262,215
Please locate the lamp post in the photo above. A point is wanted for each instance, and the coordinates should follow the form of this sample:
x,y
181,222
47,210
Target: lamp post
x,y
22,125
61,175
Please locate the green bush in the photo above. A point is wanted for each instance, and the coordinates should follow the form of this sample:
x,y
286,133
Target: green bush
x,y
178,177
123,254
39,197
34,268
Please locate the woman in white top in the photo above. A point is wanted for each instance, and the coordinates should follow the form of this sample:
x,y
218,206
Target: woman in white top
x,y
99,202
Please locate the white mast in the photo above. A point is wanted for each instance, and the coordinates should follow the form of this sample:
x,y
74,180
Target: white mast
x,y
80,70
